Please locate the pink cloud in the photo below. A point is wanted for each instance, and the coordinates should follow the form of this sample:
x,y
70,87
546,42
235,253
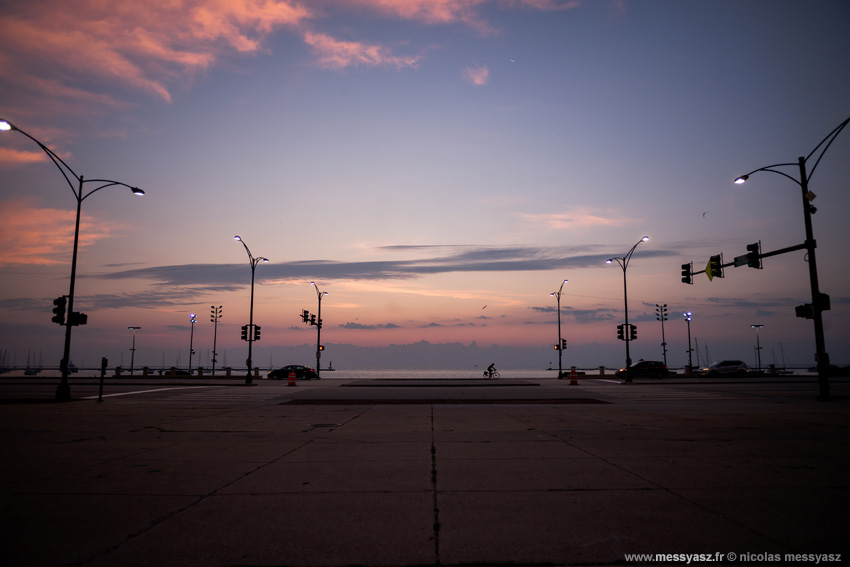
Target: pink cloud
x,y
579,218
432,11
143,45
35,235
478,75
336,54
12,156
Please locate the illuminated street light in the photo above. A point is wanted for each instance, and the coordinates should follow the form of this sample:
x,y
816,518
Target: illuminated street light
x,y
320,294
820,301
688,316
253,261
63,391
624,263
559,346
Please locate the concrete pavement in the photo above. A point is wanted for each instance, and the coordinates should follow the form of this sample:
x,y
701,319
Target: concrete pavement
x,y
332,473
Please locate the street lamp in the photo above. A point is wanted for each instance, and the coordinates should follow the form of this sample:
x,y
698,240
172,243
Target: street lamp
x,y
192,320
758,344
320,294
690,350
133,349
253,261
661,315
820,302
560,345
215,315
63,391
624,263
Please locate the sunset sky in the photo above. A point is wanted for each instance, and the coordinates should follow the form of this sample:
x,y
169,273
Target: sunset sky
x,y
439,167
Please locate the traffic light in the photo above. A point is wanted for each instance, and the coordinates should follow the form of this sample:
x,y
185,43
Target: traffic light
x,y
632,332
620,334
76,318
686,273
59,310
557,346
319,323
754,255
321,347
256,332
313,319
563,344
305,316
244,332
714,268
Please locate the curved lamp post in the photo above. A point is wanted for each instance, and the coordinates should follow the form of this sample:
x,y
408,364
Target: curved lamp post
x,y
78,186
253,261
192,320
819,301
624,263
320,294
557,296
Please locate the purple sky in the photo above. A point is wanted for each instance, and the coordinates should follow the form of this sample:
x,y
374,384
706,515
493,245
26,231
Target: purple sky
x,y
421,160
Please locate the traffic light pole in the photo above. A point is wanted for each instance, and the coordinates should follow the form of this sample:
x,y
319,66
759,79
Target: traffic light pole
x,y
319,294
627,330
821,355
253,261
63,390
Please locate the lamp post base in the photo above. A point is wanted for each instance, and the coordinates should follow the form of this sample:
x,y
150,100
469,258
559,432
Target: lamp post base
x,y
63,392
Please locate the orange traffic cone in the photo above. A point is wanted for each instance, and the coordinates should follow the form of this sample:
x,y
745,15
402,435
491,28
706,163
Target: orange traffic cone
x,y
291,378
573,376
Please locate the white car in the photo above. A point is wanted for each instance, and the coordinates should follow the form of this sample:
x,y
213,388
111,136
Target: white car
x,y
726,368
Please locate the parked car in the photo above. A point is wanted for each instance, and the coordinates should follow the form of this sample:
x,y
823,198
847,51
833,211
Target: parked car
x,y
301,373
725,368
646,369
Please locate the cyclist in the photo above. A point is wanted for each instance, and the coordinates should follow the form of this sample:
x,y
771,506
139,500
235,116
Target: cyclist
x,y
490,370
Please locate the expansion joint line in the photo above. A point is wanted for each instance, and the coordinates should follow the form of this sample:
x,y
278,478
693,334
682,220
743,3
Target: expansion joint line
x,y
434,492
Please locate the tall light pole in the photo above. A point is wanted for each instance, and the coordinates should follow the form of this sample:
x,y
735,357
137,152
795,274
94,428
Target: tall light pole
x,y
661,315
758,344
251,332
560,345
133,349
63,391
687,317
319,347
192,320
215,315
627,330
820,301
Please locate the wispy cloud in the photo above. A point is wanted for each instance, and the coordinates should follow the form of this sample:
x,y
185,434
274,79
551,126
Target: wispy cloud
x,y
579,218
362,327
459,259
76,53
337,54
40,235
478,75
144,46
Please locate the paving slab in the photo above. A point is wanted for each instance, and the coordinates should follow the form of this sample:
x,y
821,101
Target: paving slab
x,y
213,479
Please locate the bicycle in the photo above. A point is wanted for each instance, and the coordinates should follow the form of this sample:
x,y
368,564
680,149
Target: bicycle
x,y
491,375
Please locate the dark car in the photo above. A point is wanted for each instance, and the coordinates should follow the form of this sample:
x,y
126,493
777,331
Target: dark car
x,y
725,368
301,373
646,369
